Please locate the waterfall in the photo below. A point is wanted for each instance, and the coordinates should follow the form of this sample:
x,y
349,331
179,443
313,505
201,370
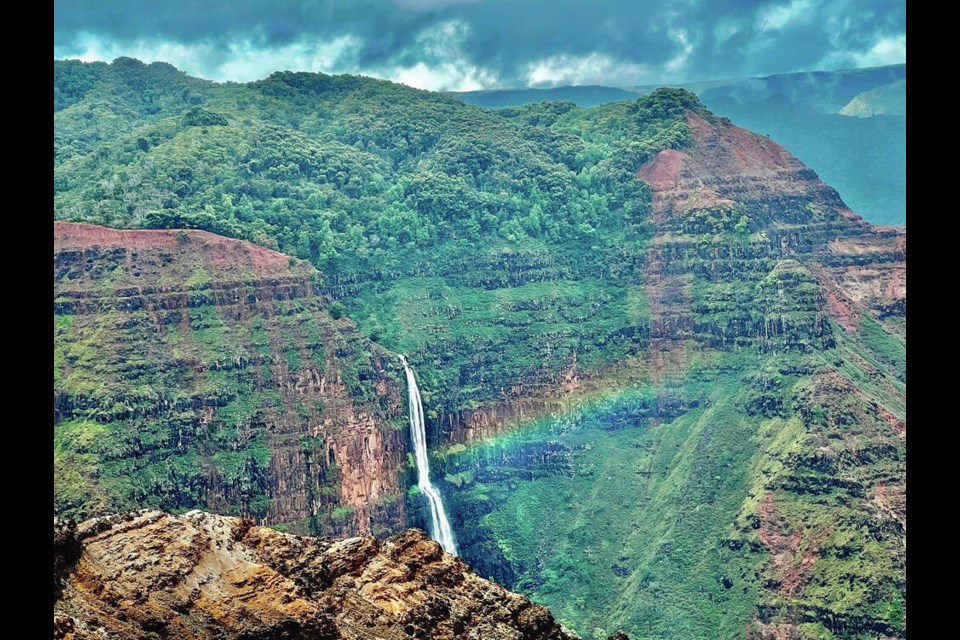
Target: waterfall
x,y
442,532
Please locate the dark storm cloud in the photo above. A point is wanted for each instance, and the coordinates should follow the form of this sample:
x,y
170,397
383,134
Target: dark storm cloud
x,y
478,43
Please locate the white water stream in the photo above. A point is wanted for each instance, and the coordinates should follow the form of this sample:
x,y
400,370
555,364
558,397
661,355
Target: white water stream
x,y
442,531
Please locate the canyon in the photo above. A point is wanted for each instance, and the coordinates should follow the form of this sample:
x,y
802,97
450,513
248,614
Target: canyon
x,y
773,396
666,394
195,370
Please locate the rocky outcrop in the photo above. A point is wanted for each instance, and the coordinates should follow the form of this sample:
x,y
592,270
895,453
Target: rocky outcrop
x,y
734,206
752,249
148,575
192,370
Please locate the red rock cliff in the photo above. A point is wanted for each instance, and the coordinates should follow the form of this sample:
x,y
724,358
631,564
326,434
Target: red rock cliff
x,y
196,370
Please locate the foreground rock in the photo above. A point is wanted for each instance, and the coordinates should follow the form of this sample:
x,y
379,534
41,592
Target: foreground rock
x,y
149,574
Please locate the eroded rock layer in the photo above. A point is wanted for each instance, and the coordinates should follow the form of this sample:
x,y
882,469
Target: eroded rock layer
x,y
743,473
771,423
734,206
147,575
753,250
192,370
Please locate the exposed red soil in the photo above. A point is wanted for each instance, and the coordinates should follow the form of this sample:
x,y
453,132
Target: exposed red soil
x,y
722,166
218,251
784,545
728,149
852,290
899,426
866,246
850,214
758,630
725,165
839,306
664,170
892,500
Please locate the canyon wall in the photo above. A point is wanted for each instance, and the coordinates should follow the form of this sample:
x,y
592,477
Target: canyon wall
x,y
751,249
756,472
192,370
707,345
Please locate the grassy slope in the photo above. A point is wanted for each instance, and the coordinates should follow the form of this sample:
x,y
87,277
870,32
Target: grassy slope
x,y
493,247
617,517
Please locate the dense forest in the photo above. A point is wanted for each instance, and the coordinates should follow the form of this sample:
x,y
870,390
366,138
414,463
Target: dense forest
x,y
847,125
373,182
713,444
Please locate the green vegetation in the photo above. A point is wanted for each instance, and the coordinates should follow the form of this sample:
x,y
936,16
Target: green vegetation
x,y
440,226
614,524
758,476
177,407
889,349
810,113
621,514
341,513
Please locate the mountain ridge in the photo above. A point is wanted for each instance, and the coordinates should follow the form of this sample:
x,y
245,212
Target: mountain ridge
x,y
806,112
722,337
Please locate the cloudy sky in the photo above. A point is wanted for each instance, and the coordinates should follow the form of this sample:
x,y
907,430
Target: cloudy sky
x,y
483,44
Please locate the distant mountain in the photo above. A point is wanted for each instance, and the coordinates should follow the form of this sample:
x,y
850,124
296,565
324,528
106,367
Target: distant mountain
x,y
890,99
809,113
820,91
584,96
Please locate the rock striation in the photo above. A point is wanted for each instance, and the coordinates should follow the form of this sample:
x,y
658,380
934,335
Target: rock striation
x,y
192,370
736,206
196,371
148,574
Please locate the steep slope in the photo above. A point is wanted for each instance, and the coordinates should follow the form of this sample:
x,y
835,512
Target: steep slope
x,y
889,99
704,345
148,575
757,480
827,494
194,370
863,157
